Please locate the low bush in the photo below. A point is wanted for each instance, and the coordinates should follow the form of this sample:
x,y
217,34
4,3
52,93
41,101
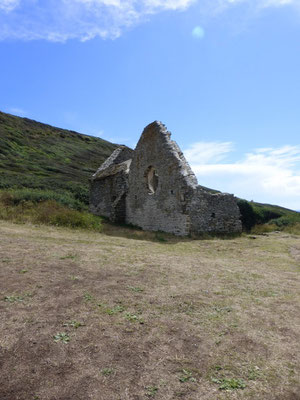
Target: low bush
x,y
248,217
260,218
287,223
14,197
48,212
263,215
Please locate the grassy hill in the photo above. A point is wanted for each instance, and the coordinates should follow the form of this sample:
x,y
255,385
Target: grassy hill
x,y
39,162
40,156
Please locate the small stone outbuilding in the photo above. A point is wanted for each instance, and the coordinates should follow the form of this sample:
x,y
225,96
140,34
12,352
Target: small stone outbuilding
x,y
153,187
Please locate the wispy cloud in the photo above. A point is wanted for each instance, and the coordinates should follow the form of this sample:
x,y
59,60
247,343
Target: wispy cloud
x,y
17,111
268,175
60,20
208,152
8,5
257,3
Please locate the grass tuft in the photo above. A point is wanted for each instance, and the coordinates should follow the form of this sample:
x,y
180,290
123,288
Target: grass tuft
x,y
230,383
61,337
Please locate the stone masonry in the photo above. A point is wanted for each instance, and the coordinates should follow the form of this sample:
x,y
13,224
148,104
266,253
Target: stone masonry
x,y
153,187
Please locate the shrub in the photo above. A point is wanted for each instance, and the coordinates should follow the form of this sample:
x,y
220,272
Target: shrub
x,y
81,193
48,212
263,215
247,214
17,196
288,223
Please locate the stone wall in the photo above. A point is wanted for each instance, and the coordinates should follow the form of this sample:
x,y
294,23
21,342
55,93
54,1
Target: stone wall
x,y
163,209
214,213
153,187
108,196
109,186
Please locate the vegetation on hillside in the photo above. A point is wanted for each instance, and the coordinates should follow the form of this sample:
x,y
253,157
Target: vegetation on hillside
x,y
47,208
260,218
43,164
39,156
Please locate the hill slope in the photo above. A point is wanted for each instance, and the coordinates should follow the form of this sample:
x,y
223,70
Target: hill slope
x,y
37,155
60,162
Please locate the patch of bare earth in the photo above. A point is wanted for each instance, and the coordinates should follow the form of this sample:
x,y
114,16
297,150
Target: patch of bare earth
x,y
91,316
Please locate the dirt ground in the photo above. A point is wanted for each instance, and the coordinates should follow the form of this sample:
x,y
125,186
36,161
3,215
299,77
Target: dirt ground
x,y
108,317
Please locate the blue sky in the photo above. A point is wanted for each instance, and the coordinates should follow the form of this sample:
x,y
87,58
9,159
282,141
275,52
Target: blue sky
x,y
223,75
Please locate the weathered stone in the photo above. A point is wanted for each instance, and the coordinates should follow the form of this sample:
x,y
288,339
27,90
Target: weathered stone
x,y
153,187
109,186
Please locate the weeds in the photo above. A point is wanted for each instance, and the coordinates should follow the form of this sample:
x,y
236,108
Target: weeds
x,y
23,271
151,391
69,257
74,324
61,337
88,297
118,309
254,373
13,299
114,310
107,371
111,310
160,237
135,289
222,310
133,318
229,383
187,376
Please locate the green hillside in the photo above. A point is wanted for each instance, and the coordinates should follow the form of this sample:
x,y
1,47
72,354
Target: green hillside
x,y
40,163
266,217
39,156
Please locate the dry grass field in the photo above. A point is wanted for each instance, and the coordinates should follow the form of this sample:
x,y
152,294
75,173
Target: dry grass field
x,y
124,315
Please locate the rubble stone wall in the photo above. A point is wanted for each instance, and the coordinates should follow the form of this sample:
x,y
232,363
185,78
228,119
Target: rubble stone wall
x,y
153,187
163,209
215,213
107,195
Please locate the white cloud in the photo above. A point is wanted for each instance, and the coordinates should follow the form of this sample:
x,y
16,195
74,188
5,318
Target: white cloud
x,y
77,19
207,152
60,20
261,3
266,175
17,111
169,4
8,5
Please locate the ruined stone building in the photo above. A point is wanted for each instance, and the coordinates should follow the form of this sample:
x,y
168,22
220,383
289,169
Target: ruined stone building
x,y
153,187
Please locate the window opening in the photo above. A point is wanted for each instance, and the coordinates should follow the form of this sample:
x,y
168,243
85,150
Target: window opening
x,y
151,180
